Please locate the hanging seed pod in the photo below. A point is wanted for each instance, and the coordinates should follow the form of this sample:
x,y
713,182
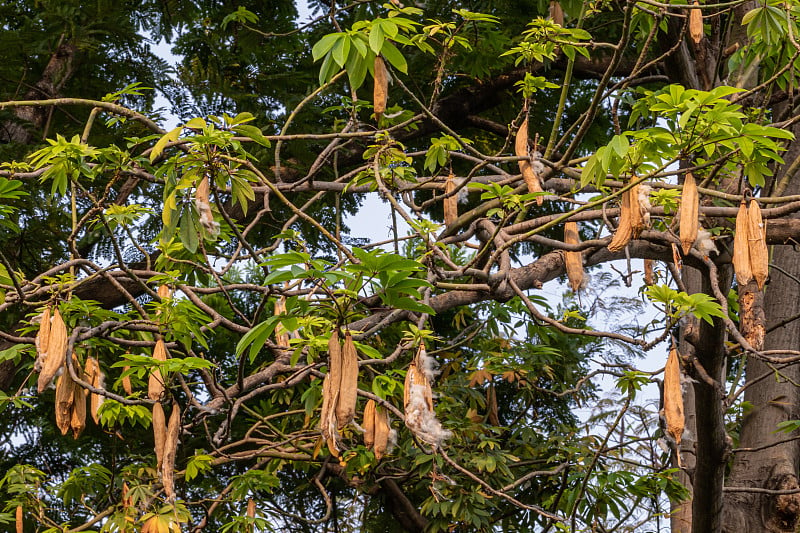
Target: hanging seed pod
x,y
639,204
451,201
369,424
251,508
65,398
95,378
78,417
696,23
202,203
382,430
155,385
159,433
525,166
556,13
281,335
689,212
126,382
170,451
492,415
56,351
757,244
127,500
43,336
164,292
673,398
330,393
741,247
381,90
20,525
348,388
649,278
625,227
573,261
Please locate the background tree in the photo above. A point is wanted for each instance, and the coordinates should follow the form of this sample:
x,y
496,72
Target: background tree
x,y
202,280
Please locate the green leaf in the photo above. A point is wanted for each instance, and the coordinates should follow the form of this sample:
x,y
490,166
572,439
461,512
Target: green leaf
x,y
171,136
394,57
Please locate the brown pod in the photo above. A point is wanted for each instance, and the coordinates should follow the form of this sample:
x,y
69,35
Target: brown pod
x,y
369,424
330,390
741,247
251,508
624,231
757,244
689,212
281,335
382,430
43,336
78,416
126,382
556,13
20,525
170,451
95,378
164,292
159,433
155,385
450,200
65,398
696,22
56,351
573,261
525,166
348,388
649,278
381,90
673,398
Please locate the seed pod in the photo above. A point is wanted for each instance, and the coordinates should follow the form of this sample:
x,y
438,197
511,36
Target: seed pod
x,y
573,261
202,203
625,227
281,335
164,292
556,13
381,89
43,337
673,398
65,398
126,382
56,351
20,526
741,247
155,385
330,393
450,202
96,378
757,244
170,451
649,279
492,416
127,500
348,388
251,508
696,23
159,433
689,210
525,166
382,430
78,417
369,424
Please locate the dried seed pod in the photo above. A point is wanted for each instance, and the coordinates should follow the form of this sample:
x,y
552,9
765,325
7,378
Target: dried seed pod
x,y
649,278
56,351
573,261
556,13
525,166
492,415
382,430
159,433
451,201
43,336
752,319
78,417
126,382
164,292
20,526
348,387
689,212
757,244
638,210
281,335
673,397
203,204
170,451
95,378
381,90
628,214
369,424
696,22
65,398
741,247
127,500
155,385
418,400
330,393
251,508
